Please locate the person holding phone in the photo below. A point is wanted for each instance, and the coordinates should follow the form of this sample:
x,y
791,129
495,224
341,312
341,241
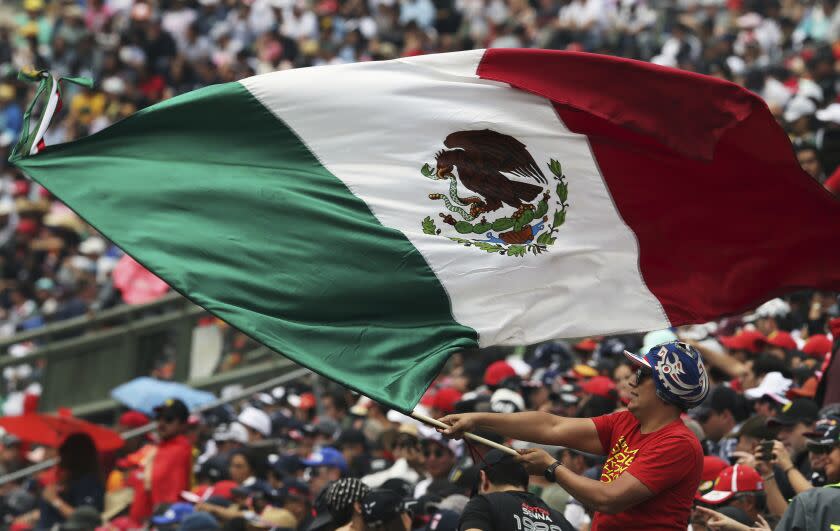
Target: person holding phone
x,y
818,508
654,462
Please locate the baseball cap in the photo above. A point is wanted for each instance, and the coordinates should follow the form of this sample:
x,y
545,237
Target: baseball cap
x,y
497,372
444,400
173,408
285,464
296,489
506,401
326,456
712,467
749,340
817,346
174,514
826,432
380,506
256,419
599,386
799,107
799,410
199,522
133,419
782,339
774,385
231,432
756,427
342,494
678,373
224,489
732,480
772,308
721,397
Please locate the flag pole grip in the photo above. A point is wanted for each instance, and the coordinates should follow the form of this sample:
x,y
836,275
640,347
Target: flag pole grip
x,y
438,424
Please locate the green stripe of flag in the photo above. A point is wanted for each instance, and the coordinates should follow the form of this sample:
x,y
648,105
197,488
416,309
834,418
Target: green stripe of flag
x,y
219,198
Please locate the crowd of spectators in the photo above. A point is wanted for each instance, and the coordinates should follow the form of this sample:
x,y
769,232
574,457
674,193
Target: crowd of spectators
x,y
300,456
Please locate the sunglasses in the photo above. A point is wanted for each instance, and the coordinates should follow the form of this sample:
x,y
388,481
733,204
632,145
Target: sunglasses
x,y
642,373
437,452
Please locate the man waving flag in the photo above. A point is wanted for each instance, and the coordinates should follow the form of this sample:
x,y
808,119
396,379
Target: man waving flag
x,y
369,220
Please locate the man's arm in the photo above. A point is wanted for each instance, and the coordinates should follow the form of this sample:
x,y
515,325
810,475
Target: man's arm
x,y
613,497
535,426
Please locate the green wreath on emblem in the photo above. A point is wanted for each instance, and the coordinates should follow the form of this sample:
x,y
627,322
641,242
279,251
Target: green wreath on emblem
x,y
511,236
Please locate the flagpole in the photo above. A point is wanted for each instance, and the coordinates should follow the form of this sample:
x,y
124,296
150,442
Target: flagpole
x,y
438,424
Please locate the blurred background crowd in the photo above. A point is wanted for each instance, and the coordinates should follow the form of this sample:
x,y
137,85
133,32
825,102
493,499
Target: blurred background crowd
x,y
300,455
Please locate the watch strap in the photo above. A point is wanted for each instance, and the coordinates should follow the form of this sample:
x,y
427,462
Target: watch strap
x,y
549,472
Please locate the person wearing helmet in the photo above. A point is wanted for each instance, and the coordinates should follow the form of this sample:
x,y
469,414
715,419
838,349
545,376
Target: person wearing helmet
x,y
654,461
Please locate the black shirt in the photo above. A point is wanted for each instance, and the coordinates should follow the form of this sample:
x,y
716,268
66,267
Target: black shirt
x,y
511,511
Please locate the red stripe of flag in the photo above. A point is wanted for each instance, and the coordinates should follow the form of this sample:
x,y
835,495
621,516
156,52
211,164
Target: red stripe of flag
x,y
699,170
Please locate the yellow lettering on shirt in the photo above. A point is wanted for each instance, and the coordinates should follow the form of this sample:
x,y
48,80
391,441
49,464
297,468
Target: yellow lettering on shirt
x,y
618,461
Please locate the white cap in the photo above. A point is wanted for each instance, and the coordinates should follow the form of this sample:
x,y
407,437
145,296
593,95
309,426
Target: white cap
x,y
799,107
266,399
506,401
773,385
772,308
456,446
830,113
92,245
256,419
233,432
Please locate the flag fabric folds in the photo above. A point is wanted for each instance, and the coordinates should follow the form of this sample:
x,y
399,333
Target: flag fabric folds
x,y
369,220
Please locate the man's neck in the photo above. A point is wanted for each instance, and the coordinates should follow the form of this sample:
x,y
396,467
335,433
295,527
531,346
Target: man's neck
x,y
658,419
503,488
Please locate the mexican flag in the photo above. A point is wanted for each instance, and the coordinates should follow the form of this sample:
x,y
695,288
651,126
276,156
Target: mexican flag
x,y
369,220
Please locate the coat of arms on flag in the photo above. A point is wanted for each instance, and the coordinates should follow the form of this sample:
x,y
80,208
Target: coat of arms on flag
x,y
523,215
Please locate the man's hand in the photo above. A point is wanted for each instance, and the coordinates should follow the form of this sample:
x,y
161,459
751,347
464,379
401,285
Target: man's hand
x,y
782,456
745,458
458,424
535,460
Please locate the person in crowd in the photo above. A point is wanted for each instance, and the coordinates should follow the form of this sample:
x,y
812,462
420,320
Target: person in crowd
x,y
79,482
738,486
719,416
503,500
640,470
818,508
167,470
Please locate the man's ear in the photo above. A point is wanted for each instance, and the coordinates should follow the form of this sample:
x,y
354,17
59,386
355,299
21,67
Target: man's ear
x,y
483,482
357,508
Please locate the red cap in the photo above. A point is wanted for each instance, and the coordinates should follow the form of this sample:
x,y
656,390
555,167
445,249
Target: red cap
x,y
599,386
497,372
733,479
749,340
133,419
307,401
587,345
27,226
223,489
782,340
712,467
445,400
817,346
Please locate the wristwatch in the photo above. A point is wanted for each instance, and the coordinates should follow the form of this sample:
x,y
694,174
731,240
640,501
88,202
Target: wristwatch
x,y
549,472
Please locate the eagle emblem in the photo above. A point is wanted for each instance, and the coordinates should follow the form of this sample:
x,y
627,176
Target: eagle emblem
x,y
507,207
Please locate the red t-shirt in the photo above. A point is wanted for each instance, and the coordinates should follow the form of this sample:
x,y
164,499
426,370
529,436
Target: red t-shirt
x,y
669,463
171,473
